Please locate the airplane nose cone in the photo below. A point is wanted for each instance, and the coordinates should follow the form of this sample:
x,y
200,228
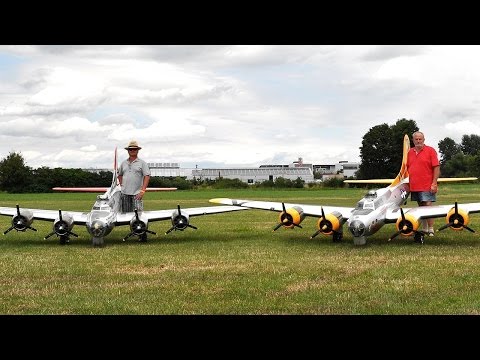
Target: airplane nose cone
x,y
98,228
357,228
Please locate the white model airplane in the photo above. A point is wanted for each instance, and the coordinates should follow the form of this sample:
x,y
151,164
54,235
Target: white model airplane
x,y
378,207
105,215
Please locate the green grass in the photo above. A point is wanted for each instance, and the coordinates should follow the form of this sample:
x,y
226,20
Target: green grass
x,y
235,264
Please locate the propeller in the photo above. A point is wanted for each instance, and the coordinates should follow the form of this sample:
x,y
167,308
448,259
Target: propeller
x,y
406,227
285,219
138,227
60,228
180,222
19,223
324,225
456,221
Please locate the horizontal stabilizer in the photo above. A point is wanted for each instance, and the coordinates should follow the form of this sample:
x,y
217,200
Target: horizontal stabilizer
x,y
103,189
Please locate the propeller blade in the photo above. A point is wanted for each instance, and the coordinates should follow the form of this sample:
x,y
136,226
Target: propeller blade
x,y
8,230
444,226
394,235
277,227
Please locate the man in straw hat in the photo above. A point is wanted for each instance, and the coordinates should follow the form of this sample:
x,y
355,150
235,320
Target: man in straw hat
x,y
133,175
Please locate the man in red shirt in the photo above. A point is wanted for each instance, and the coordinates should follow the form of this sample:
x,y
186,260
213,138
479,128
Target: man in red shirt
x,y
424,169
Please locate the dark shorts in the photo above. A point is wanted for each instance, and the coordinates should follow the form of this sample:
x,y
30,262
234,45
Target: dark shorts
x,y
423,196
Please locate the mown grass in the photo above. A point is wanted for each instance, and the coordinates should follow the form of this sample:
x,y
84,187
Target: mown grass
x,y
235,264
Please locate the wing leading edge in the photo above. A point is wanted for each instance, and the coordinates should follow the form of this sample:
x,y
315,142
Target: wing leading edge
x,y
309,210
79,218
158,215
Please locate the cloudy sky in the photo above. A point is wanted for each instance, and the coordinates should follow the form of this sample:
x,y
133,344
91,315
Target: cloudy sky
x,y
225,106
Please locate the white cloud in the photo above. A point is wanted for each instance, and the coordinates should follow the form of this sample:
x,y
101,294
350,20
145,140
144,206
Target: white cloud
x,y
70,106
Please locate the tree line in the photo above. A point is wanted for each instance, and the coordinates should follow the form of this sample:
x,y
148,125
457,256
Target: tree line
x,y
380,157
17,177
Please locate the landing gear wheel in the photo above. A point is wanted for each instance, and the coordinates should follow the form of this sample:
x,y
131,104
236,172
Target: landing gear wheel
x,y
64,240
419,238
337,237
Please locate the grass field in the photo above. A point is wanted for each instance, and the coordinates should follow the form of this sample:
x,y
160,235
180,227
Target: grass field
x,y
235,264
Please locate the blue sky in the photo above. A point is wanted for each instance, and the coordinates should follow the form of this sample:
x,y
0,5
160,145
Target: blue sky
x,y
224,106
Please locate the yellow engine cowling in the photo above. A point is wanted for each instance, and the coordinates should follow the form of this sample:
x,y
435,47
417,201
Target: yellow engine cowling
x,y
331,223
294,216
458,219
407,225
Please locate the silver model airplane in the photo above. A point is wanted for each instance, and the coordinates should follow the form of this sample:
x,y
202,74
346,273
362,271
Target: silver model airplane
x,y
105,215
376,208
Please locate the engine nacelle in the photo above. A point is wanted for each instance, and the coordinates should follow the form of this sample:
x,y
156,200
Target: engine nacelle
x,y
407,225
62,226
331,223
180,220
457,219
292,217
138,225
22,220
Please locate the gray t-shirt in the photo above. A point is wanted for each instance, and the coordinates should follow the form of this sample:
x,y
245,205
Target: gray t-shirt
x,y
133,173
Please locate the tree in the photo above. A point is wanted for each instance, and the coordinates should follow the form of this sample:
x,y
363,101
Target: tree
x,y
15,176
470,144
382,149
458,165
447,149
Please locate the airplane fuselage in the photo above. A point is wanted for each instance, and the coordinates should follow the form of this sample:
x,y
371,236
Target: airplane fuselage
x,y
370,213
101,220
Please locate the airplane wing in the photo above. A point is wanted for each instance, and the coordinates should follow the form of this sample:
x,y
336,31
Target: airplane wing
x,y
79,218
389,181
309,210
158,215
435,211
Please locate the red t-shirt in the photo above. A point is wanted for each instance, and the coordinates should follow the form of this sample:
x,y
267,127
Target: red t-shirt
x,y
420,168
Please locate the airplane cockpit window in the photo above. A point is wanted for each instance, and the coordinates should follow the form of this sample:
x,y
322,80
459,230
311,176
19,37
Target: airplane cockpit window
x,y
371,194
101,205
368,205
99,214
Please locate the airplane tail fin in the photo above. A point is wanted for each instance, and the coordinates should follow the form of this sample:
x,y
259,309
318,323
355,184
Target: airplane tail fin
x,y
403,173
115,171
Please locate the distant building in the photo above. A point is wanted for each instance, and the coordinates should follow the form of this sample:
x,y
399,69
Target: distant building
x,y
254,175
170,170
346,168
292,171
349,168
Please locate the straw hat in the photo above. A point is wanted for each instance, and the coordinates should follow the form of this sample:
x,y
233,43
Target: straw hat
x,y
133,145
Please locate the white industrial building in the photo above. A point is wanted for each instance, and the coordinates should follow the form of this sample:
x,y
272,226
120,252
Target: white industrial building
x,y
170,170
254,175
297,169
